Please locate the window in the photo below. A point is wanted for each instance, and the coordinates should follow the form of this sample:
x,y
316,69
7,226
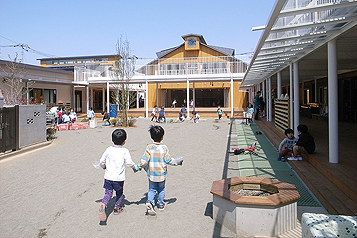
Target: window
x,y
50,62
101,60
83,61
67,62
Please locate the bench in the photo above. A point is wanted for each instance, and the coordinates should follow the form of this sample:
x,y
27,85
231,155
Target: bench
x,y
322,225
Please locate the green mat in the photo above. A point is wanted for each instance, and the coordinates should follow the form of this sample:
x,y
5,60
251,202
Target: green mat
x,y
264,163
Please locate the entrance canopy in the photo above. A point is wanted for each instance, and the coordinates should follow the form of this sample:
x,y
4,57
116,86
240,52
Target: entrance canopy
x,y
298,30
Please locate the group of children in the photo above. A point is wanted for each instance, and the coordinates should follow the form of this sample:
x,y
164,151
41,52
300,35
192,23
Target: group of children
x,y
154,161
159,116
292,148
63,116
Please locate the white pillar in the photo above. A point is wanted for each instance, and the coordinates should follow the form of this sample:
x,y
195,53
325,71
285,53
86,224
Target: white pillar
x,y
278,82
332,101
193,96
108,97
91,96
291,97
146,99
296,98
232,97
264,92
188,97
87,97
269,103
137,98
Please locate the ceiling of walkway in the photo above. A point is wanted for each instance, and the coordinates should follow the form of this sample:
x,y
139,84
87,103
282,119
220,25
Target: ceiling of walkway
x,y
299,31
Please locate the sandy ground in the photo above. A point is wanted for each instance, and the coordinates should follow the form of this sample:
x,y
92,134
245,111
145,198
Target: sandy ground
x,y
54,191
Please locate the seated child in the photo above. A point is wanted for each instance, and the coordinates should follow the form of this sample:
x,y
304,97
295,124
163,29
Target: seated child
x,y
305,143
66,118
180,118
290,141
195,117
248,115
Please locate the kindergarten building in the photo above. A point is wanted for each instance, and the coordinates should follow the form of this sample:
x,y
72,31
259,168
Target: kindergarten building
x,y
194,71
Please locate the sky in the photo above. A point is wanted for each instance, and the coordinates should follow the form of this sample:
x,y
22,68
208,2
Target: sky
x,y
70,28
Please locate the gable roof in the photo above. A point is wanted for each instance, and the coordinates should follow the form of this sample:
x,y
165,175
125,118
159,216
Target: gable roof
x,y
223,50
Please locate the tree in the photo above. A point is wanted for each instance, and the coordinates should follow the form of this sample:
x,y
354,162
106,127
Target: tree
x,y
14,91
122,73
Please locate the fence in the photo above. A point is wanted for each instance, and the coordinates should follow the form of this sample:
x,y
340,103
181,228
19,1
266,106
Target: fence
x,y
22,125
9,129
282,114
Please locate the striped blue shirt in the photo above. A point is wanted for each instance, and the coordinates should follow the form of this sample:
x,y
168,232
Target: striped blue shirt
x,y
155,160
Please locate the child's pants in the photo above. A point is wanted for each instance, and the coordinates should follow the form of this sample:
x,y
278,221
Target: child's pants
x,y
156,187
109,186
285,152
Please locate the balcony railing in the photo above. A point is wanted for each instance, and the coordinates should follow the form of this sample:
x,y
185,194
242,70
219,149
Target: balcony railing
x,y
170,66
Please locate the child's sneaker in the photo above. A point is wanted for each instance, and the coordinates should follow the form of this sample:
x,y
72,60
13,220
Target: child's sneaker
x,y
161,207
283,159
102,215
279,158
117,210
299,158
292,158
150,209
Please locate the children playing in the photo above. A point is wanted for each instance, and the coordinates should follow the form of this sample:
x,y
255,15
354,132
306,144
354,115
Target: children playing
x,y
219,112
289,141
162,115
195,117
305,143
154,113
154,162
113,161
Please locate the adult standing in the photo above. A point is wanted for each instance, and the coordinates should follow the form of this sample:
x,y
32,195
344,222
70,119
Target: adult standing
x,y
257,105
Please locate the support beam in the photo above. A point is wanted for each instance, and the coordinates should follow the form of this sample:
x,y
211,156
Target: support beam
x,y
87,98
269,103
232,97
291,97
278,82
103,99
108,97
332,101
188,97
296,98
146,99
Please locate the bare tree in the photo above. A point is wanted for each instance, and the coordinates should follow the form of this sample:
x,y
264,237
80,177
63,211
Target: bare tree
x,y
123,71
14,91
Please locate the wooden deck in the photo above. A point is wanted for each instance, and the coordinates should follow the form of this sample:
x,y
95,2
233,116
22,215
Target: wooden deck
x,y
335,185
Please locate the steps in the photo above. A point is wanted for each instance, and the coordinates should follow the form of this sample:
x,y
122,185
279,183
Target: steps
x,y
330,183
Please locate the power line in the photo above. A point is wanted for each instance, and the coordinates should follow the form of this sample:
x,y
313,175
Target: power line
x,y
26,47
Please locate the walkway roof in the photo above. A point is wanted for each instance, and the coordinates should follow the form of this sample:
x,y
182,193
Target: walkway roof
x,y
298,30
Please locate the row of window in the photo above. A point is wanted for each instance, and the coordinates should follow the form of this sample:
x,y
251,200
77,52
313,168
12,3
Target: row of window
x,y
74,61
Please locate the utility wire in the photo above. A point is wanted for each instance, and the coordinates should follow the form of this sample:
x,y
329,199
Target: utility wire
x,y
26,48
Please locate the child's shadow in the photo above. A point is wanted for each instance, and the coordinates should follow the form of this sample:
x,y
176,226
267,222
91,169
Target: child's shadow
x,y
110,207
143,200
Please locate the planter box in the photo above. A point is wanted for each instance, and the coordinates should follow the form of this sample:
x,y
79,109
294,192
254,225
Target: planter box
x,y
251,216
62,127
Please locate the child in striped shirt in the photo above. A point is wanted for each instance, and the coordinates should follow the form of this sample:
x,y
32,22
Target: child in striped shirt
x,y
154,162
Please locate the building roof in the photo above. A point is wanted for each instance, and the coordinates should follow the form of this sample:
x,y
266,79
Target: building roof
x,y
223,50
298,31
77,57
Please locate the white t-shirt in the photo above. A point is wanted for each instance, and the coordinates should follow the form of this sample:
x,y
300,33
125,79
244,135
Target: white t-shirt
x,y
115,158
